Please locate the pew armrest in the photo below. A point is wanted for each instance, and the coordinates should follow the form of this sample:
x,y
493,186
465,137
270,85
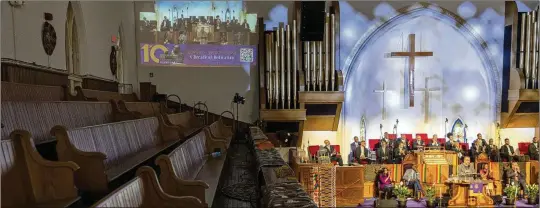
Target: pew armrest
x,y
169,132
174,185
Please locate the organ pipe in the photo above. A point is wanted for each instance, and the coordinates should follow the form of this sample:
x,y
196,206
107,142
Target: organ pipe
x,y
333,50
295,61
268,80
529,49
282,58
307,50
320,58
326,50
313,64
288,43
276,68
528,45
534,58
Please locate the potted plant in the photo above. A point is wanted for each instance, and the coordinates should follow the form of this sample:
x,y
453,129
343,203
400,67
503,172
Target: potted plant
x,y
430,197
511,192
401,192
532,193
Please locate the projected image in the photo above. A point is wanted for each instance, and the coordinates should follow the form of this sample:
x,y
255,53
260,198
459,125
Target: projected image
x,y
209,33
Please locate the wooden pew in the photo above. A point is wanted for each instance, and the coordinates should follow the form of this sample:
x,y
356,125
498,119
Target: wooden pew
x,y
145,191
188,171
220,131
133,110
106,95
119,113
187,121
105,152
27,92
40,117
30,181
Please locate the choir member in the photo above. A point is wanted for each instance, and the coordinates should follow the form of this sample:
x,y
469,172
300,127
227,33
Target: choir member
x,y
515,176
354,145
449,145
362,153
418,143
477,149
457,148
384,153
493,151
165,24
399,153
385,183
466,169
411,178
384,138
479,137
486,174
328,149
533,149
434,141
507,151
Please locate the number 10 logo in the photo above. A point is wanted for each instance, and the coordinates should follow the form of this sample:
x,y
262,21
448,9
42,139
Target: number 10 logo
x,y
149,52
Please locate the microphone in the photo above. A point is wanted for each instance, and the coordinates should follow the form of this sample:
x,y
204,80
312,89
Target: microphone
x,y
498,125
446,120
397,121
380,126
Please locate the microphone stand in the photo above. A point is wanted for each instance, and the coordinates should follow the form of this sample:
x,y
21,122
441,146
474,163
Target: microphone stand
x,y
445,126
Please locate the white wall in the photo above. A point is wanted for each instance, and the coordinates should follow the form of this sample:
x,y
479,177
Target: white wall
x,y
96,21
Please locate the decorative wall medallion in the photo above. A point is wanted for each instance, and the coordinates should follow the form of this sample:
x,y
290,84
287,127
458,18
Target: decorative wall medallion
x,y
16,3
48,38
112,61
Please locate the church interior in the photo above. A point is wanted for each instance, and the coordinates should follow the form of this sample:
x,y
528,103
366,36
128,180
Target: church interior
x,y
270,103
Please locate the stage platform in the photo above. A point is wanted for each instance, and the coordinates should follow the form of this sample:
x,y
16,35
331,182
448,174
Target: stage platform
x,y
411,203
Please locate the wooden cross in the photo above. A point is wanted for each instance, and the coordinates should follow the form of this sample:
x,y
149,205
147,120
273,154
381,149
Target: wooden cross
x,y
383,91
426,90
411,54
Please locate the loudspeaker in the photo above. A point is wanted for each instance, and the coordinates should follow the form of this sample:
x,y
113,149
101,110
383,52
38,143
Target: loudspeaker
x,y
312,25
385,203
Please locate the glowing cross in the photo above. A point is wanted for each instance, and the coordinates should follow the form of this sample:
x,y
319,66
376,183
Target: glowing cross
x,y
426,92
383,91
411,54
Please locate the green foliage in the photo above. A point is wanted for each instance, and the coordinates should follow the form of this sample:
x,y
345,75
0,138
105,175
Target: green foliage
x,y
430,194
531,191
511,191
401,192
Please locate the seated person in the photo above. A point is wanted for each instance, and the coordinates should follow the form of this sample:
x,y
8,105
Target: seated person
x,y
384,154
354,145
449,145
507,151
434,142
466,170
399,153
385,183
477,149
486,174
417,143
493,151
533,149
457,148
411,178
515,176
362,153
327,149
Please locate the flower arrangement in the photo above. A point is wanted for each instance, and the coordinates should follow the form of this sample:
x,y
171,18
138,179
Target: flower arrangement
x,y
511,191
430,194
402,192
532,191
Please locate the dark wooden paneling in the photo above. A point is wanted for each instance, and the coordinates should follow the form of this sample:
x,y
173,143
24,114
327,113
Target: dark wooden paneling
x,y
147,90
95,83
30,73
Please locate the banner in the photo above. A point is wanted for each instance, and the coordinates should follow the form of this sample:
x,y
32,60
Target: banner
x,y
196,54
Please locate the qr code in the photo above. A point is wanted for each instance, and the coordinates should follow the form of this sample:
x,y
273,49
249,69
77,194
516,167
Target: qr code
x,y
246,55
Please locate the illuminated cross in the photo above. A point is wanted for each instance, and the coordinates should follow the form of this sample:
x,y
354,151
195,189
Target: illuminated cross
x,y
426,92
384,90
411,54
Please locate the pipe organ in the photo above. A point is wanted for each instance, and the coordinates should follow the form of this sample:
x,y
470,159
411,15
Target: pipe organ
x,y
286,58
528,56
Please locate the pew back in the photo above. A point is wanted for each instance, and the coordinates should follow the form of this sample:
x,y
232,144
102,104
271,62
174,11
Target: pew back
x,y
189,157
105,95
147,109
40,117
118,141
187,119
26,92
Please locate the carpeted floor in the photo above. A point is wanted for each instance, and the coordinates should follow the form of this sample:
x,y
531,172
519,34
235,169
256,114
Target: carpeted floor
x,y
412,203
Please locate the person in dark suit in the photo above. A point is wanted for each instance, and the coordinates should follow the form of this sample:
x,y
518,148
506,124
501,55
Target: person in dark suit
x,y
362,153
399,153
479,137
516,176
507,151
493,151
477,149
533,149
384,138
165,24
417,143
449,145
328,149
354,145
384,154
434,142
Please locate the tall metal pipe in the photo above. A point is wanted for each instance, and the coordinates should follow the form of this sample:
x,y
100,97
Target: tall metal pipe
x,y
295,62
534,40
326,50
522,42
528,45
307,61
320,58
268,78
333,50
288,43
276,67
313,64
282,58
271,62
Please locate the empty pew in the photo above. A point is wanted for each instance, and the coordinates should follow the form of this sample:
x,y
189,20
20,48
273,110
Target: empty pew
x,y
133,110
220,131
187,121
39,117
188,171
106,95
105,152
30,181
27,92
145,191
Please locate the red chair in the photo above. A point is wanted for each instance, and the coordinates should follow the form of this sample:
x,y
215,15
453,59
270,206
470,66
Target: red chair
x,y
464,146
392,136
523,147
423,136
315,148
441,141
372,143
